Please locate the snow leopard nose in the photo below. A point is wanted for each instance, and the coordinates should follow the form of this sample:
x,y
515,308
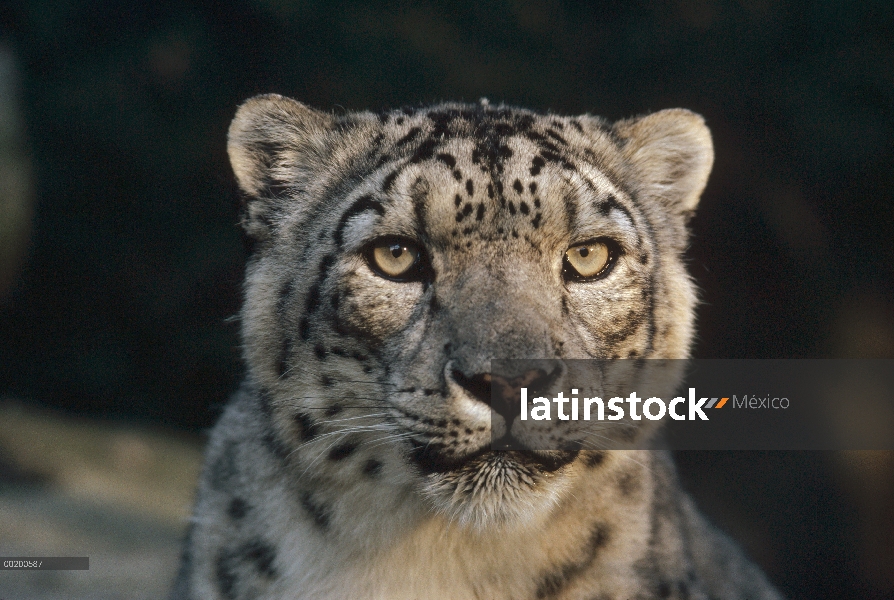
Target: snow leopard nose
x,y
477,385
502,394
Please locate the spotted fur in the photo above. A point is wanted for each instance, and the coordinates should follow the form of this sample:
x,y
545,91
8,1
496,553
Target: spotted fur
x,y
355,461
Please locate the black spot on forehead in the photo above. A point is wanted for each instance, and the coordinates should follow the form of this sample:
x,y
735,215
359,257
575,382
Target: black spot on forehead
x,y
425,151
362,204
605,206
408,137
541,141
505,129
441,121
556,136
389,180
555,157
524,122
383,159
476,157
447,159
609,204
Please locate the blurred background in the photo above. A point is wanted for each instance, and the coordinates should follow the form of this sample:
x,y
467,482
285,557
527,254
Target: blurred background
x,y
121,263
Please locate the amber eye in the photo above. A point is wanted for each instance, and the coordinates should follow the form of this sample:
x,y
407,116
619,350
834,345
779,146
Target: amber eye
x,y
395,258
589,260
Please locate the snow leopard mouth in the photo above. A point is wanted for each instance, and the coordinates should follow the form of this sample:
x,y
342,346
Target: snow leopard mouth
x,y
431,459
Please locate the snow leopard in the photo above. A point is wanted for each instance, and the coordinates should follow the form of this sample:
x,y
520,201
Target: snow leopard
x,y
393,256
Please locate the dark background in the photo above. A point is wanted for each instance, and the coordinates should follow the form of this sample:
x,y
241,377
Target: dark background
x,y
115,296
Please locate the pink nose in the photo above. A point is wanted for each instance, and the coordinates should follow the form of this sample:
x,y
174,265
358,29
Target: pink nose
x,y
503,394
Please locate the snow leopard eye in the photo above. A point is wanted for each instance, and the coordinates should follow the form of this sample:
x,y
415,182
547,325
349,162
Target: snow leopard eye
x,y
397,259
590,260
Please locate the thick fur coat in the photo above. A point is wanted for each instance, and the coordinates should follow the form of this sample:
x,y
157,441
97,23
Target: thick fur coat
x,y
395,254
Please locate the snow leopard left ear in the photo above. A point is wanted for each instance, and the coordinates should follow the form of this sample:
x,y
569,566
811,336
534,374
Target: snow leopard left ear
x,y
672,153
276,145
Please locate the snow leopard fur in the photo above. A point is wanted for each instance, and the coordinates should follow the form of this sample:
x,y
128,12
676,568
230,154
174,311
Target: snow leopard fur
x,y
394,255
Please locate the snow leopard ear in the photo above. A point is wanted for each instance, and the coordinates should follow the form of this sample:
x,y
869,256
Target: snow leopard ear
x,y
672,152
275,145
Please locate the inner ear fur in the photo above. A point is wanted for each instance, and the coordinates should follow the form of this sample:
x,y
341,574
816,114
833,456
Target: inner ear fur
x,y
275,146
672,154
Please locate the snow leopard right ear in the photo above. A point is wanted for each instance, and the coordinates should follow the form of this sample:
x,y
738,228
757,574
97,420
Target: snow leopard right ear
x,y
275,144
672,153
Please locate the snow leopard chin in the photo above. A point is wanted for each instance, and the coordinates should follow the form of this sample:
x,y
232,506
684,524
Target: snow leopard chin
x,y
499,490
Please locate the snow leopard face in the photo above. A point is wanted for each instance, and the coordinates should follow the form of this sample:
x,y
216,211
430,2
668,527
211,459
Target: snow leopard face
x,y
396,254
